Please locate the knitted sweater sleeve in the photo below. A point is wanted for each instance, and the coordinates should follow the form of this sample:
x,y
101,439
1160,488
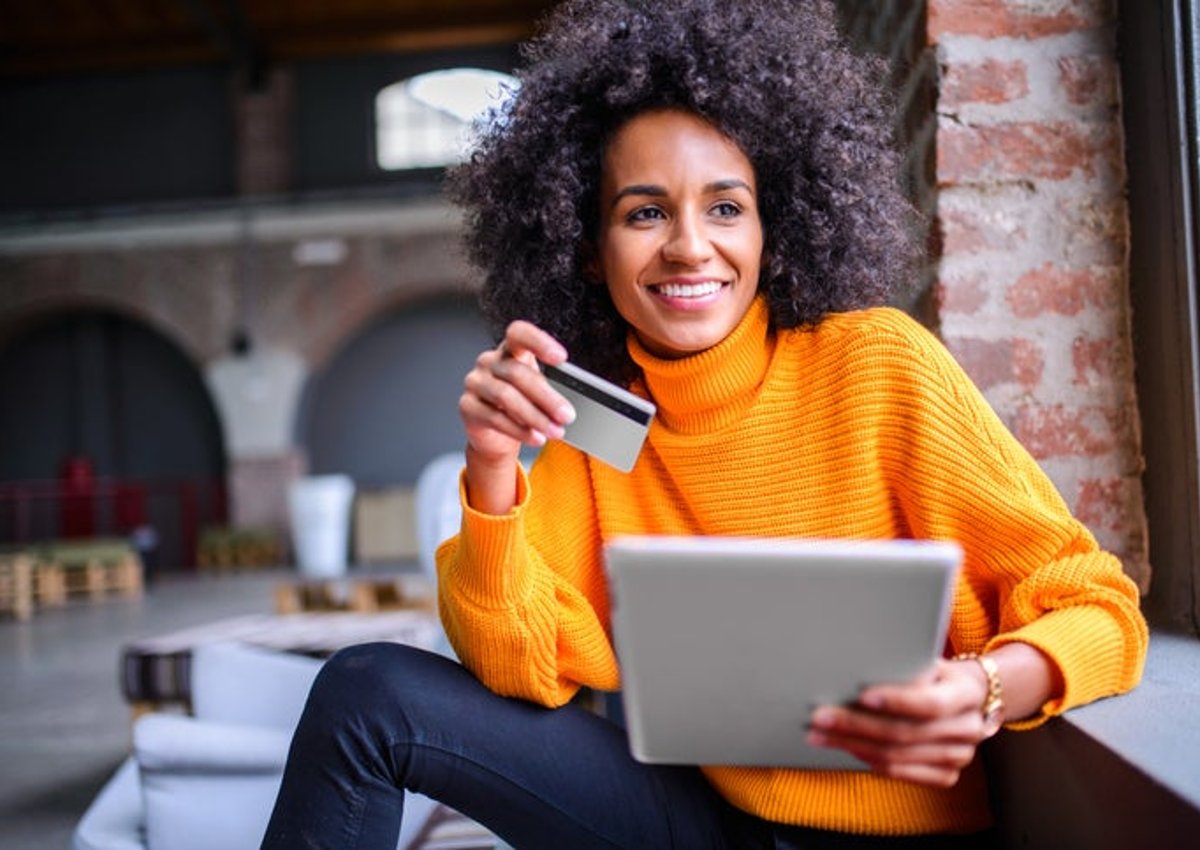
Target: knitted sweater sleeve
x,y
1031,573
522,596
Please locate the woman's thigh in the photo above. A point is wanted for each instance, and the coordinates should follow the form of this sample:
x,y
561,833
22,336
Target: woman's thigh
x,y
539,778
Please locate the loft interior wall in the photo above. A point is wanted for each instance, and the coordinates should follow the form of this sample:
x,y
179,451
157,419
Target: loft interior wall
x,y
114,139
382,406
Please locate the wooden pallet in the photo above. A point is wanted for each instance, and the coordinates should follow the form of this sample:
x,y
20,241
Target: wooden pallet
x,y
359,594
16,586
49,584
89,568
235,549
27,584
96,578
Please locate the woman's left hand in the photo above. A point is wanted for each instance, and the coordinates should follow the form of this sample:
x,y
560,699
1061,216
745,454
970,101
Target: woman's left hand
x,y
924,731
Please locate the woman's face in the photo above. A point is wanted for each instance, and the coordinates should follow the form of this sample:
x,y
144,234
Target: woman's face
x,y
680,240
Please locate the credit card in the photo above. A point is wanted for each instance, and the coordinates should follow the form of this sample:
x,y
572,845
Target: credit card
x,y
610,422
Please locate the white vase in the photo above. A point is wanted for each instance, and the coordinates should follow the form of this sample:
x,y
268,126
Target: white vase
x,y
319,508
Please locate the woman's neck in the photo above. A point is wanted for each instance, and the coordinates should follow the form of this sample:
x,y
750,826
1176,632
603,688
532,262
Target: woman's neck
x,y
710,390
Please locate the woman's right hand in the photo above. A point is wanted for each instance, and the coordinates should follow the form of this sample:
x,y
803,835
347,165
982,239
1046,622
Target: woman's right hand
x,y
506,402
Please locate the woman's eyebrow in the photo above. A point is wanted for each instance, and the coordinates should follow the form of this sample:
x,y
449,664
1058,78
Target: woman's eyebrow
x,y
639,189
659,192
726,185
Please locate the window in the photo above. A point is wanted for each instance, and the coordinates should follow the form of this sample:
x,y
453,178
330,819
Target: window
x,y
426,121
1159,49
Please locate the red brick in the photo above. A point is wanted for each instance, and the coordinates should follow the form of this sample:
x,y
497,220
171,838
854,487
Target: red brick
x,y
1051,150
963,296
1113,504
994,362
1066,292
990,81
1096,229
1028,362
1112,509
1060,431
1014,18
1088,80
1098,361
967,232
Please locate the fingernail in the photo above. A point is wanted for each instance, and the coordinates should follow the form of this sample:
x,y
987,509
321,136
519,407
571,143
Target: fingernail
x,y
538,438
816,739
871,700
555,431
822,717
566,414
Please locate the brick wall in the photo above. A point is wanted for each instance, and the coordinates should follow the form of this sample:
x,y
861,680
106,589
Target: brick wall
x,y
262,124
198,291
1032,285
1010,110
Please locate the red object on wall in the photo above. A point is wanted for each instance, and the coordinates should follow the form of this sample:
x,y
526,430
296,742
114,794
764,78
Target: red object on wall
x,y
129,506
77,510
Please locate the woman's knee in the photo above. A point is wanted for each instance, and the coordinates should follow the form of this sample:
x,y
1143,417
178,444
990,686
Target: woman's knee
x,y
382,683
371,674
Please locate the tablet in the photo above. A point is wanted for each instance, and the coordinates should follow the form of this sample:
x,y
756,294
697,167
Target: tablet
x,y
727,644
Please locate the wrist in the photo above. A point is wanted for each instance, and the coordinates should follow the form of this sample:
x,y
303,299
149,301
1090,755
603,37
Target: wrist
x,y
491,482
991,707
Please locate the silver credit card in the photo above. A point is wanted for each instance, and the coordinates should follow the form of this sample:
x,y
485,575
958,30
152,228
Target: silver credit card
x,y
610,422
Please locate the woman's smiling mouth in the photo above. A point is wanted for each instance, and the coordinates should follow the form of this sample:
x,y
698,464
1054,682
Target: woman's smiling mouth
x,y
688,290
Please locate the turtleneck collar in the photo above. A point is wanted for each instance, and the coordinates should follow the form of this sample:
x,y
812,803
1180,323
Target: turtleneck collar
x,y
708,391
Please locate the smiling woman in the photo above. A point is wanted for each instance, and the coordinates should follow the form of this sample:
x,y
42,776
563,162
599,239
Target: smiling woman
x,y
680,239
698,199
813,121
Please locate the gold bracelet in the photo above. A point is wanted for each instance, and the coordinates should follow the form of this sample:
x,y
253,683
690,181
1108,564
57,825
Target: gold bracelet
x,y
993,704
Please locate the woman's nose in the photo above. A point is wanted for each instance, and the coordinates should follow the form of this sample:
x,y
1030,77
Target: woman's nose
x,y
687,243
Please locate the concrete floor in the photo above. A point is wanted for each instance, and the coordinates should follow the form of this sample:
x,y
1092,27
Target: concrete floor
x,y
64,726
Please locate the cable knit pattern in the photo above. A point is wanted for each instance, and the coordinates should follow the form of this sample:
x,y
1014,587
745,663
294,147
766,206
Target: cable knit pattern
x,y
863,427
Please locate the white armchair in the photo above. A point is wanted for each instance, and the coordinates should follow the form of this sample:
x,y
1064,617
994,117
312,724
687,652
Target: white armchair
x,y
208,781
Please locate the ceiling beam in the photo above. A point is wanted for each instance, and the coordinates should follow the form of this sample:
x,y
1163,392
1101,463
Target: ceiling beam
x,y
243,35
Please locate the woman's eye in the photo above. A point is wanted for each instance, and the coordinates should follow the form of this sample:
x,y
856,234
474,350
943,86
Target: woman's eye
x,y
726,209
645,214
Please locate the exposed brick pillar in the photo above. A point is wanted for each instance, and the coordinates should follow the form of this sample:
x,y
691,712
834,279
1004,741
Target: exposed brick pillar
x,y
263,134
1031,291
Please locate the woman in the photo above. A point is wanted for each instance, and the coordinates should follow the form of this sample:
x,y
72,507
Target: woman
x,y
697,199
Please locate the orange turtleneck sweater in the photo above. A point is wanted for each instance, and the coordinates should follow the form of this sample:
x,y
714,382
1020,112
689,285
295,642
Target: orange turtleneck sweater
x,y
863,427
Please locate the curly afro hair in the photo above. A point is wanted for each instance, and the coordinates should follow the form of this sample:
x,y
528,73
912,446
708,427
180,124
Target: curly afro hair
x,y
813,119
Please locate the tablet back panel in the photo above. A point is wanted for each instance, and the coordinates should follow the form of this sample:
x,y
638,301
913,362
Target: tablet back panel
x,y
727,644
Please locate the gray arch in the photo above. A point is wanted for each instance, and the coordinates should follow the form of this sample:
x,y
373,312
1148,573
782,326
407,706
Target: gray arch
x,y
387,401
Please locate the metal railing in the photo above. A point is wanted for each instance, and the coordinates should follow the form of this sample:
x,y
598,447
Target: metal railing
x,y
163,517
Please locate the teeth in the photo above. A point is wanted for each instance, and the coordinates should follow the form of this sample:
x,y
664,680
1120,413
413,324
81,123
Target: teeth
x,y
688,290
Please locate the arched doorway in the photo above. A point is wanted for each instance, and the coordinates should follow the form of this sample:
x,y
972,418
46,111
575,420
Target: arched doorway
x,y
387,402
109,428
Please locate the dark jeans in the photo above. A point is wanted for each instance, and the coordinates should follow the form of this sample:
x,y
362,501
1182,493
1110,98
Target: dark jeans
x,y
382,717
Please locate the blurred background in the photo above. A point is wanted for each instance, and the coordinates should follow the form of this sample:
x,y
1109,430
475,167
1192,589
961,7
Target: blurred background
x,y
227,272
224,261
